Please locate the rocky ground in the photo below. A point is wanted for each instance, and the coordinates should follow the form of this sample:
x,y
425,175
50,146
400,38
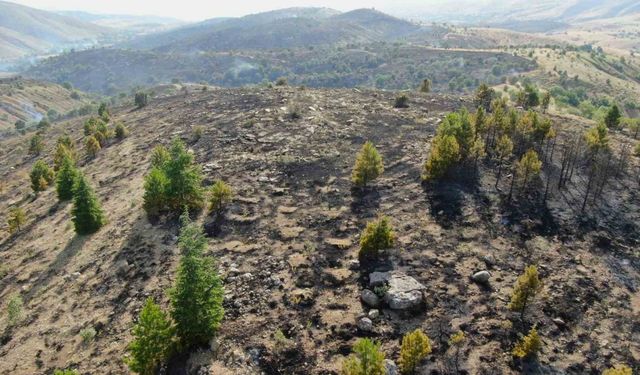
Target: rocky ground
x,y
288,247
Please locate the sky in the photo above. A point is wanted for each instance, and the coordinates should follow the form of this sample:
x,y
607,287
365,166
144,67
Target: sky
x,y
195,10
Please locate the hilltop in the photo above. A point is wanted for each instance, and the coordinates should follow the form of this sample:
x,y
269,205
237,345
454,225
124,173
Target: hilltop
x,y
287,248
28,31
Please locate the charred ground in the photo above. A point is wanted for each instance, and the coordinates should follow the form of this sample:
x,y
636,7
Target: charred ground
x,y
286,247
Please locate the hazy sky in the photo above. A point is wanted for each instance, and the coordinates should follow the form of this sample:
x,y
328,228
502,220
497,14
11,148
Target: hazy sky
x,y
193,10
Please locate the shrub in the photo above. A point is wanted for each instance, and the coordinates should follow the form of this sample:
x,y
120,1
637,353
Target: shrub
x,y
36,145
402,101
93,146
103,111
41,176
64,148
525,290
528,167
184,179
445,153
66,179
141,99
368,166
197,132
21,126
44,123
425,86
87,335
618,370
529,346
377,236
14,310
174,182
155,186
197,296
87,215
152,340
16,220
415,347
612,119
483,97
367,359
66,372
159,156
597,138
282,81
121,131
636,150
221,195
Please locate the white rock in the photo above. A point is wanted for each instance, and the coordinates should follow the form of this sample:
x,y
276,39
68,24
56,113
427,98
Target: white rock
x,y
370,298
481,277
404,292
374,314
365,325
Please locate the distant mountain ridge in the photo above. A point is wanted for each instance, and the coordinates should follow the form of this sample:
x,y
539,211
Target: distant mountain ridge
x,y
26,31
285,28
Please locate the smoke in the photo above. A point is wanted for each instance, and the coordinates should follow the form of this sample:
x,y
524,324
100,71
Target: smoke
x,y
30,111
240,67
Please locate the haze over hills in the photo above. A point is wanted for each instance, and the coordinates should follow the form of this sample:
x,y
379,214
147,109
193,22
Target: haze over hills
x,y
308,191
286,28
496,11
28,31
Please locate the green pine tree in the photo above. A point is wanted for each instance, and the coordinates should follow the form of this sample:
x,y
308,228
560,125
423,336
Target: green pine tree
x,y
66,178
41,176
155,186
87,214
184,187
368,165
152,340
197,296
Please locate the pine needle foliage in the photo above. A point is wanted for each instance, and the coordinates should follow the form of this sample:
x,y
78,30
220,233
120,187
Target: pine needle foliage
x,y
42,176
17,218
377,236
92,145
196,298
66,178
368,166
527,287
153,339
415,347
87,214
367,359
221,196
529,346
618,370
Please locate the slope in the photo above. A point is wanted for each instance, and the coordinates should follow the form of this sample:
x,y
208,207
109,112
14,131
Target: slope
x,y
288,246
26,31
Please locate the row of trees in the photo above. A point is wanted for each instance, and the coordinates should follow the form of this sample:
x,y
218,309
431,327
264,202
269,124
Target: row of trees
x,y
175,183
70,184
196,307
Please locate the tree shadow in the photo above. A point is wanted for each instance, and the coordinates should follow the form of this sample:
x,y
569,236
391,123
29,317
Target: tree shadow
x,y
446,200
365,200
72,248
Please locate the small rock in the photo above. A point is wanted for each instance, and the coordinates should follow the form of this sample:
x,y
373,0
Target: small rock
x,y
374,314
391,367
481,277
559,322
365,325
370,298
